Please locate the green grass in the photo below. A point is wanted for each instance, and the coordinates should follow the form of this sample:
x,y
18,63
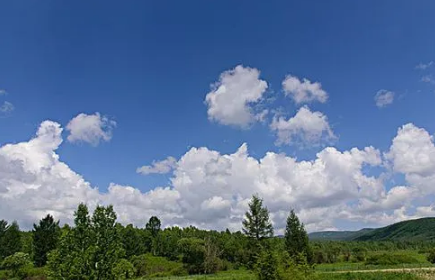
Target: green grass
x,y
367,276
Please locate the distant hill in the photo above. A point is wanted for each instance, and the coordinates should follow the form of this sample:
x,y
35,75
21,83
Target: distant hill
x,y
420,229
337,235
415,230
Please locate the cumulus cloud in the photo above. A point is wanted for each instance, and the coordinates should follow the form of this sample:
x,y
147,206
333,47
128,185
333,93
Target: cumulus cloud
x,y
303,91
159,167
211,190
230,101
3,92
306,127
424,66
90,129
6,107
383,98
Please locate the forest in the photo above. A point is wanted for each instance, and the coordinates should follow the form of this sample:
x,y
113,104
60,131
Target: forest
x,y
96,246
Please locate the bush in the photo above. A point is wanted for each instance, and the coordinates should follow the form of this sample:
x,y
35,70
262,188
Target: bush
x,y
17,263
391,259
148,265
5,274
123,269
431,256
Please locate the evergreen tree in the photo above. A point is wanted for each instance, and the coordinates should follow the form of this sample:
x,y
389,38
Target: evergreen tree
x,y
296,238
153,226
256,224
45,238
10,239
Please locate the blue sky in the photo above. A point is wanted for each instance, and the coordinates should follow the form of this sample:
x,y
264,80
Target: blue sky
x,y
148,66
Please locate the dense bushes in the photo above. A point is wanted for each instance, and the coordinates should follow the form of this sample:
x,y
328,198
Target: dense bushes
x,y
391,259
148,265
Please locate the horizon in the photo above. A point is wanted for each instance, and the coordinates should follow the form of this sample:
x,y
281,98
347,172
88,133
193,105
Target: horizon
x,y
185,110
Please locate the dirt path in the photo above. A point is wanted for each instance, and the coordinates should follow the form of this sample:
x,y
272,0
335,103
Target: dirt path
x,y
416,269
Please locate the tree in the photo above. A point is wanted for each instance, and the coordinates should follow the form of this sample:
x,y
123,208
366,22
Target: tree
x,y
296,238
10,239
153,226
193,253
45,238
267,266
132,241
256,224
108,246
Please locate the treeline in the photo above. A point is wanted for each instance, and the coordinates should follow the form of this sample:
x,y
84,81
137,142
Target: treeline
x,y
97,247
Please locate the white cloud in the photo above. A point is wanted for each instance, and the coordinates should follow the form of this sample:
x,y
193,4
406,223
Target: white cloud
x,y
159,167
303,91
428,79
231,98
7,107
3,92
211,190
90,129
306,127
383,98
424,66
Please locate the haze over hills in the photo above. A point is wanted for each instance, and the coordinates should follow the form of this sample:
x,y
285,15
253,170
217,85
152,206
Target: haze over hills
x,y
415,230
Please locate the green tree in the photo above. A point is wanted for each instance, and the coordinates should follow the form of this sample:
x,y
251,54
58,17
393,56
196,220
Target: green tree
x,y
132,241
123,269
108,246
153,226
256,224
267,266
16,262
45,238
193,254
296,238
10,239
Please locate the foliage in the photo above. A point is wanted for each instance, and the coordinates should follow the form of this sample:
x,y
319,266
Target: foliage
x,y
153,226
256,223
45,237
391,259
296,238
133,241
123,269
431,256
267,266
193,254
148,265
10,239
16,262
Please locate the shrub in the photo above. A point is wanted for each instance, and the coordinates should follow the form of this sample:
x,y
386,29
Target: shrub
x,y
147,265
17,264
123,269
390,259
431,256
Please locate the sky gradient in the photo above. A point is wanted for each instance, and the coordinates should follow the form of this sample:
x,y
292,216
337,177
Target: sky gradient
x,y
184,109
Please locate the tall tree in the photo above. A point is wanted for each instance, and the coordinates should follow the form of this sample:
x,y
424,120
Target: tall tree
x,y
132,241
153,226
10,241
296,237
45,238
108,246
256,224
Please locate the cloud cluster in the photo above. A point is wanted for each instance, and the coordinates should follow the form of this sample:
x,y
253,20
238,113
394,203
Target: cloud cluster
x,y
306,127
231,98
211,190
384,98
158,167
303,91
90,129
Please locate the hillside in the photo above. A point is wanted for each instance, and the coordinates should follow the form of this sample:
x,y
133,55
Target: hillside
x,y
419,229
337,235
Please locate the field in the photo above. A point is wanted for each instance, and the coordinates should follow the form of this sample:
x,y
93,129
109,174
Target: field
x,y
356,275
